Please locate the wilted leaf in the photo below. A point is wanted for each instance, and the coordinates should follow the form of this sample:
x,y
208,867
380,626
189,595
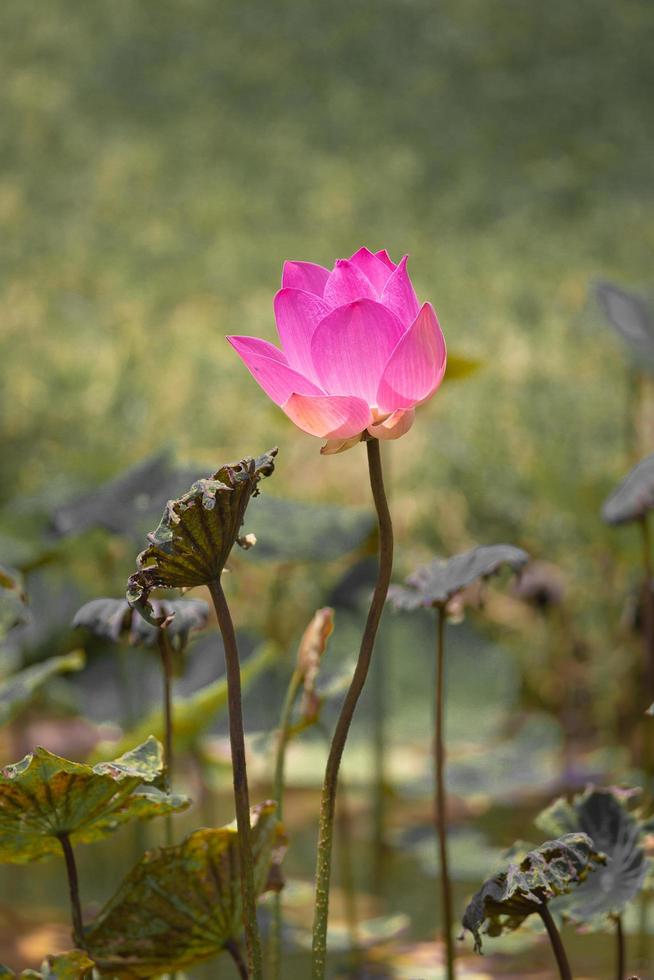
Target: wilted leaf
x,y
124,504
504,901
436,583
12,600
630,315
114,620
197,532
296,531
634,497
44,797
180,905
17,691
194,713
604,815
311,649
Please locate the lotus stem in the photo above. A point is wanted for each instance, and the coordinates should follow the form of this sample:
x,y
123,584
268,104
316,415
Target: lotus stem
x,y
440,800
275,941
648,601
235,952
379,711
239,772
73,889
619,948
565,972
344,827
167,670
328,799
344,830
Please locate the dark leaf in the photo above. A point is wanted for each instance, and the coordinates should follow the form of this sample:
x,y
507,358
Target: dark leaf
x,y
604,815
17,691
125,505
630,315
634,497
296,531
180,905
197,532
554,868
436,583
114,620
194,713
44,796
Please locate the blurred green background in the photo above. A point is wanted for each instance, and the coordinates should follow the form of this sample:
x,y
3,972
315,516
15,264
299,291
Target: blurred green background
x,y
160,160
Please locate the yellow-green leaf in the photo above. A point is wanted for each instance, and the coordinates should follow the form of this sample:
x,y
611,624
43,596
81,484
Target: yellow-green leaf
x,y
44,797
180,905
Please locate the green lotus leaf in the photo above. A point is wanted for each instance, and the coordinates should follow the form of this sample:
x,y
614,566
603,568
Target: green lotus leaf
x,y
17,691
182,904
197,532
114,620
194,713
631,317
634,497
436,583
297,531
604,815
44,798
554,868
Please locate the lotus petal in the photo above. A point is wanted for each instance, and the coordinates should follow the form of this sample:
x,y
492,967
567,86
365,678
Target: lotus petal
x,y
297,314
417,365
399,295
268,367
346,283
328,416
305,275
352,346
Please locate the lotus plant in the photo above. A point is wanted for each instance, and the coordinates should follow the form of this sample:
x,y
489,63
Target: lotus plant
x,y
358,354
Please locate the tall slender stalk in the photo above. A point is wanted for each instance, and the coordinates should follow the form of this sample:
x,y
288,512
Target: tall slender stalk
x,y
440,800
648,602
619,949
328,799
73,890
166,655
167,671
239,771
379,714
555,939
275,940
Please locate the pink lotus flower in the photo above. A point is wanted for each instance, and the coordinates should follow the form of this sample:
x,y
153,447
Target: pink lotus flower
x,y
358,351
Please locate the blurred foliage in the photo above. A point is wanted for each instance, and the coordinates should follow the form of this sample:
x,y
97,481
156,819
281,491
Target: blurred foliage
x,y
157,171
603,814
